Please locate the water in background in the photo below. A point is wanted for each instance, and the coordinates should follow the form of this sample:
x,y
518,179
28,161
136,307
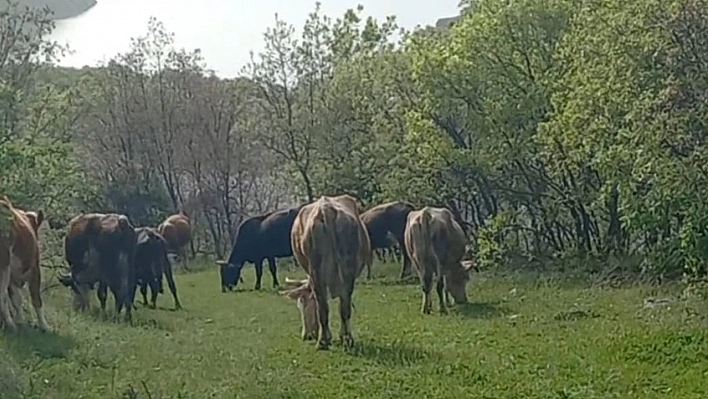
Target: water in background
x,y
225,30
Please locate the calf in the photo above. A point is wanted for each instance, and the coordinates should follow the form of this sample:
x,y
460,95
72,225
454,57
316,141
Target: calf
x,y
100,248
177,232
151,264
19,264
258,238
385,219
436,243
330,242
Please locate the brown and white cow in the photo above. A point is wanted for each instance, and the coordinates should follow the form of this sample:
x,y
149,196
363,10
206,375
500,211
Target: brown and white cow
x,y
100,248
19,263
436,243
177,231
330,242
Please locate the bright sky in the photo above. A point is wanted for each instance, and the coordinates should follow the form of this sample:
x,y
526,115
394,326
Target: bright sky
x,y
225,30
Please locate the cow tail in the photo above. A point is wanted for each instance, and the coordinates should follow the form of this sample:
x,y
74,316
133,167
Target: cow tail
x,y
332,277
428,251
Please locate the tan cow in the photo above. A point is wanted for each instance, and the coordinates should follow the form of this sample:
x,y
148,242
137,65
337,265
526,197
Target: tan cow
x,y
177,231
330,242
19,264
436,243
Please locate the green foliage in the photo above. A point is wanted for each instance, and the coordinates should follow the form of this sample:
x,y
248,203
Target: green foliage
x,y
44,175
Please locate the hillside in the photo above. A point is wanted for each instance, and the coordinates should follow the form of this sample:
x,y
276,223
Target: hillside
x,y
62,8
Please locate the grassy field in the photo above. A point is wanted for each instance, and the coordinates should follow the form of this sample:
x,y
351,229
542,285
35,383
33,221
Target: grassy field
x,y
519,338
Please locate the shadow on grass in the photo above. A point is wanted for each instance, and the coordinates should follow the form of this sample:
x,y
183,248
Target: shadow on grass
x,y
140,319
389,281
396,354
480,310
29,342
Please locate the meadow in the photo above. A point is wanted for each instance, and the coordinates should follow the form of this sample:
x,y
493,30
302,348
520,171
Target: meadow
x,y
521,336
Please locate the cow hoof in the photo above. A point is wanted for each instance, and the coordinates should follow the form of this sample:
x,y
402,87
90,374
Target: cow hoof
x,y
443,310
348,341
322,346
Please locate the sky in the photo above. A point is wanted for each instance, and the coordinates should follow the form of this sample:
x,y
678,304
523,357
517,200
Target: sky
x,y
225,30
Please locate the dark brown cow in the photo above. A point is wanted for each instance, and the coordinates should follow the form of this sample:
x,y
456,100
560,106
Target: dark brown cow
x,y
19,264
151,264
384,219
436,243
177,231
330,242
100,248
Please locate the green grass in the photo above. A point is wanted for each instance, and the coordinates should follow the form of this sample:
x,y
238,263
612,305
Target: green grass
x,y
519,338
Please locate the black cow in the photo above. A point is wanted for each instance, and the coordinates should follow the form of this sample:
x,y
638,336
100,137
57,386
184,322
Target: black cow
x,y
100,248
151,264
388,218
258,238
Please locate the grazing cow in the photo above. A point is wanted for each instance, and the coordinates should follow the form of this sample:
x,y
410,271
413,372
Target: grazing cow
x,y
258,238
100,248
330,242
392,252
19,264
384,219
436,243
151,264
177,232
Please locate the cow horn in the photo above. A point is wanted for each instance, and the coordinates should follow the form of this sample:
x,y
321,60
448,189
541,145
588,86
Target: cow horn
x,y
468,265
294,283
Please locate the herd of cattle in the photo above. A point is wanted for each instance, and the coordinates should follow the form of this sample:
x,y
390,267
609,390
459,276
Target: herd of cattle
x,y
331,238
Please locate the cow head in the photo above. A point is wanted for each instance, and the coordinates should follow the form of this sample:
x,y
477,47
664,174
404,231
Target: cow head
x,y
301,291
35,218
230,275
456,281
79,291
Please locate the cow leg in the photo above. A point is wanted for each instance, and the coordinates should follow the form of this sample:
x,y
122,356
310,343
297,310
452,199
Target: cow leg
x,y
259,273
15,295
325,335
273,272
345,312
143,292
154,290
377,252
427,286
5,314
35,290
102,294
440,288
406,269
172,286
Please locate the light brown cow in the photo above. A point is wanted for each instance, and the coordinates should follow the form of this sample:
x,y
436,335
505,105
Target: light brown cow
x,y
436,243
19,264
330,242
177,231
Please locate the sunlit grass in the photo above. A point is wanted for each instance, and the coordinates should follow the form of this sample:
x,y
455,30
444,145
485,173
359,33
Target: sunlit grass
x,y
518,338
